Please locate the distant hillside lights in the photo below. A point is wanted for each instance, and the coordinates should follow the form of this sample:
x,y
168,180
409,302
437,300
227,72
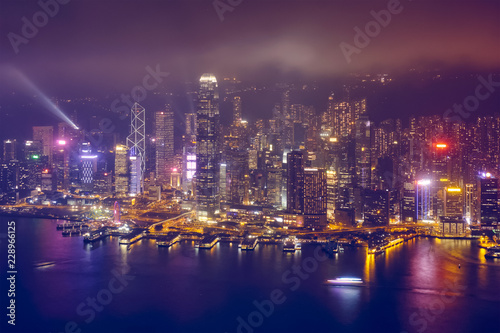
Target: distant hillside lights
x,y
29,30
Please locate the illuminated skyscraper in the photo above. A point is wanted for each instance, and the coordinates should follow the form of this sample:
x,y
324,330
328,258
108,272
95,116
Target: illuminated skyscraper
x,y
315,197
121,170
135,173
88,167
470,203
488,201
376,211
207,149
164,143
136,141
45,134
453,202
295,182
237,177
236,109
9,150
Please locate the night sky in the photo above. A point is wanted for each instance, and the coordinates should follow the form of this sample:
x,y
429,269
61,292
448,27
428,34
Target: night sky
x,y
106,45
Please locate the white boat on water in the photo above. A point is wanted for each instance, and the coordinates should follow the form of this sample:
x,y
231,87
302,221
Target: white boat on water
x,y
346,281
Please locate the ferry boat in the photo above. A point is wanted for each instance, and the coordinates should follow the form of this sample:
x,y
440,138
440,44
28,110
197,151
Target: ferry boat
x,y
492,255
493,252
289,245
249,244
208,242
131,238
168,240
346,281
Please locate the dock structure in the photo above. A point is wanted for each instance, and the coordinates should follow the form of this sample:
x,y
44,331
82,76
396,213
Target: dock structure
x,y
168,240
207,242
71,225
96,235
249,244
132,237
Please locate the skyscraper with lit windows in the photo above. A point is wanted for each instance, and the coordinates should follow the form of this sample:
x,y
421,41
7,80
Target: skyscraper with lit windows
x,y
164,143
207,149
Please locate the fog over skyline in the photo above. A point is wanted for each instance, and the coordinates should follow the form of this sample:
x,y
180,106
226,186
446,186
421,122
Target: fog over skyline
x,y
106,45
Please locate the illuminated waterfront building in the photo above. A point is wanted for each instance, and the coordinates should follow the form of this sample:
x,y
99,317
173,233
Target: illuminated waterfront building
x,y
376,208
453,202
315,197
164,143
207,150
423,198
295,182
88,167
488,201
121,170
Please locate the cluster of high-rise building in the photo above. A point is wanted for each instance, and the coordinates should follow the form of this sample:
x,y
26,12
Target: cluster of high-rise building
x,y
307,167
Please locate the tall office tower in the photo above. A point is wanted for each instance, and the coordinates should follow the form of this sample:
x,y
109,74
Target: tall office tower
x,y
190,127
207,149
135,173
295,182
121,170
423,198
237,177
440,156
45,134
488,201
9,150
342,120
236,109
164,143
470,203
136,142
61,163
315,198
358,109
285,103
88,167
363,150
376,208
408,204
453,202
273,186
331,193
327,118
188,166
223,182
346,170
